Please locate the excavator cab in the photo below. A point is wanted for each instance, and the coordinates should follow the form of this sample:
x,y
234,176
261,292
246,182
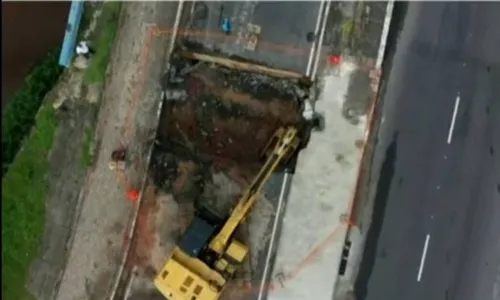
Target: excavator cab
x,y
196,236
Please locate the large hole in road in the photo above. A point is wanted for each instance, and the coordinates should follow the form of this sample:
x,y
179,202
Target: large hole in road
x,y
216,119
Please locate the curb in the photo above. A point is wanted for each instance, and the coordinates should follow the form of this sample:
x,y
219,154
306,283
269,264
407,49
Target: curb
x,y
385,33
375,75
131,232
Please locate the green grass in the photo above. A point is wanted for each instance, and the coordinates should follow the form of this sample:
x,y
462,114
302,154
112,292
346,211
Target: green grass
x,y
24,189
86,19
86,158
347,28
102,43
25,184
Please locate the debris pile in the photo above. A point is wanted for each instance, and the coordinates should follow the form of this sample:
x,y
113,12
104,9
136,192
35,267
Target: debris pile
x,y
214,123
180,176
218,112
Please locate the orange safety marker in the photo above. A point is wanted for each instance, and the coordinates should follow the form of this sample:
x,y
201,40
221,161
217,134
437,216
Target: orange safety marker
x,y
333,59
133,195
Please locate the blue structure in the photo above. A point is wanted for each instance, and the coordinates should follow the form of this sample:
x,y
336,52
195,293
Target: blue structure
x,y
69,43
226,26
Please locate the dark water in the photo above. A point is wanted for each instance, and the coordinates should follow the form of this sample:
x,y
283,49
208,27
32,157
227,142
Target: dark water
x,y
29,31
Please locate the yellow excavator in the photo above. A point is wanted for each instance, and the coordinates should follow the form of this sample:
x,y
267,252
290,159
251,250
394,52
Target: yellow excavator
x,y
207,255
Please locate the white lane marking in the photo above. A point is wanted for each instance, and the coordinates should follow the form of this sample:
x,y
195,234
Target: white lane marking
x,y
264,285
422,260
452,124
193,3
321,37
176,26
316,30
385,33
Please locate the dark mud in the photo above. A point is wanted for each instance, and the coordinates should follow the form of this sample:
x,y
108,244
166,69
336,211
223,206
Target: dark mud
x,y
217,120
224,113
190,178
180,175
214,125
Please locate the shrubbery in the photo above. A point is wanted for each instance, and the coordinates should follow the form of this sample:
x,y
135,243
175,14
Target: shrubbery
x,y
24,188
19,113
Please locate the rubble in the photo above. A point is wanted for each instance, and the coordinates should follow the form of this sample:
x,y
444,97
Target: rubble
x,y
215,111
214,123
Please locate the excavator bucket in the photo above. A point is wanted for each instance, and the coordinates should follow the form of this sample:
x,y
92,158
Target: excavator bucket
x,y
279,136
268,149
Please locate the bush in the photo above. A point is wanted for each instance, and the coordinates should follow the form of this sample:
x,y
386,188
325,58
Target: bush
x,y
19,113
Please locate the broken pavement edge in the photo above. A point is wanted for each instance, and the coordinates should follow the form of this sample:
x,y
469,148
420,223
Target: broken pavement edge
x,y
375,75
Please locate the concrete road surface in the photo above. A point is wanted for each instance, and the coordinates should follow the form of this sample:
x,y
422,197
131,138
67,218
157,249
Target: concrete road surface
x,y
439,187
284,27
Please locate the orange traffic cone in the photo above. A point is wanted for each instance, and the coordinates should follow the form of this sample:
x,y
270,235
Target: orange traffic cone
x,y
333,59
133,195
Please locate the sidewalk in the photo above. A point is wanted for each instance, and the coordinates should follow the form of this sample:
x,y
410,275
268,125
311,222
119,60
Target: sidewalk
x,y
310,250
96,250
314,223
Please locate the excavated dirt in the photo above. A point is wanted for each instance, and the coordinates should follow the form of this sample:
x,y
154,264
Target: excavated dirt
x,y
214,124
217,120
164,216
195,180
145,239
217,112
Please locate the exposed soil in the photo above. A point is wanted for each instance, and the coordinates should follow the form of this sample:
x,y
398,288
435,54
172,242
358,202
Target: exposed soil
x,y
162,220
182,176
222,113
145,238
214,124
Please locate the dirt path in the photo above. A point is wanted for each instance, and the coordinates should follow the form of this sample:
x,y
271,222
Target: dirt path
x,y
127,112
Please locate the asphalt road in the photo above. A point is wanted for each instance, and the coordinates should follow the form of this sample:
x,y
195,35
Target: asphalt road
x,y
284,26
436,229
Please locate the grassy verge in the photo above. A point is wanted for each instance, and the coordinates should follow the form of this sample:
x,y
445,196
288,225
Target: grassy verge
x,y
88,11
24,189
102,43
86,158
346,31
25,186
19,113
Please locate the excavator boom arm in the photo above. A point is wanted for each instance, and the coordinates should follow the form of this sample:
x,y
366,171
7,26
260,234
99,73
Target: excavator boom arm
x,y
286,142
